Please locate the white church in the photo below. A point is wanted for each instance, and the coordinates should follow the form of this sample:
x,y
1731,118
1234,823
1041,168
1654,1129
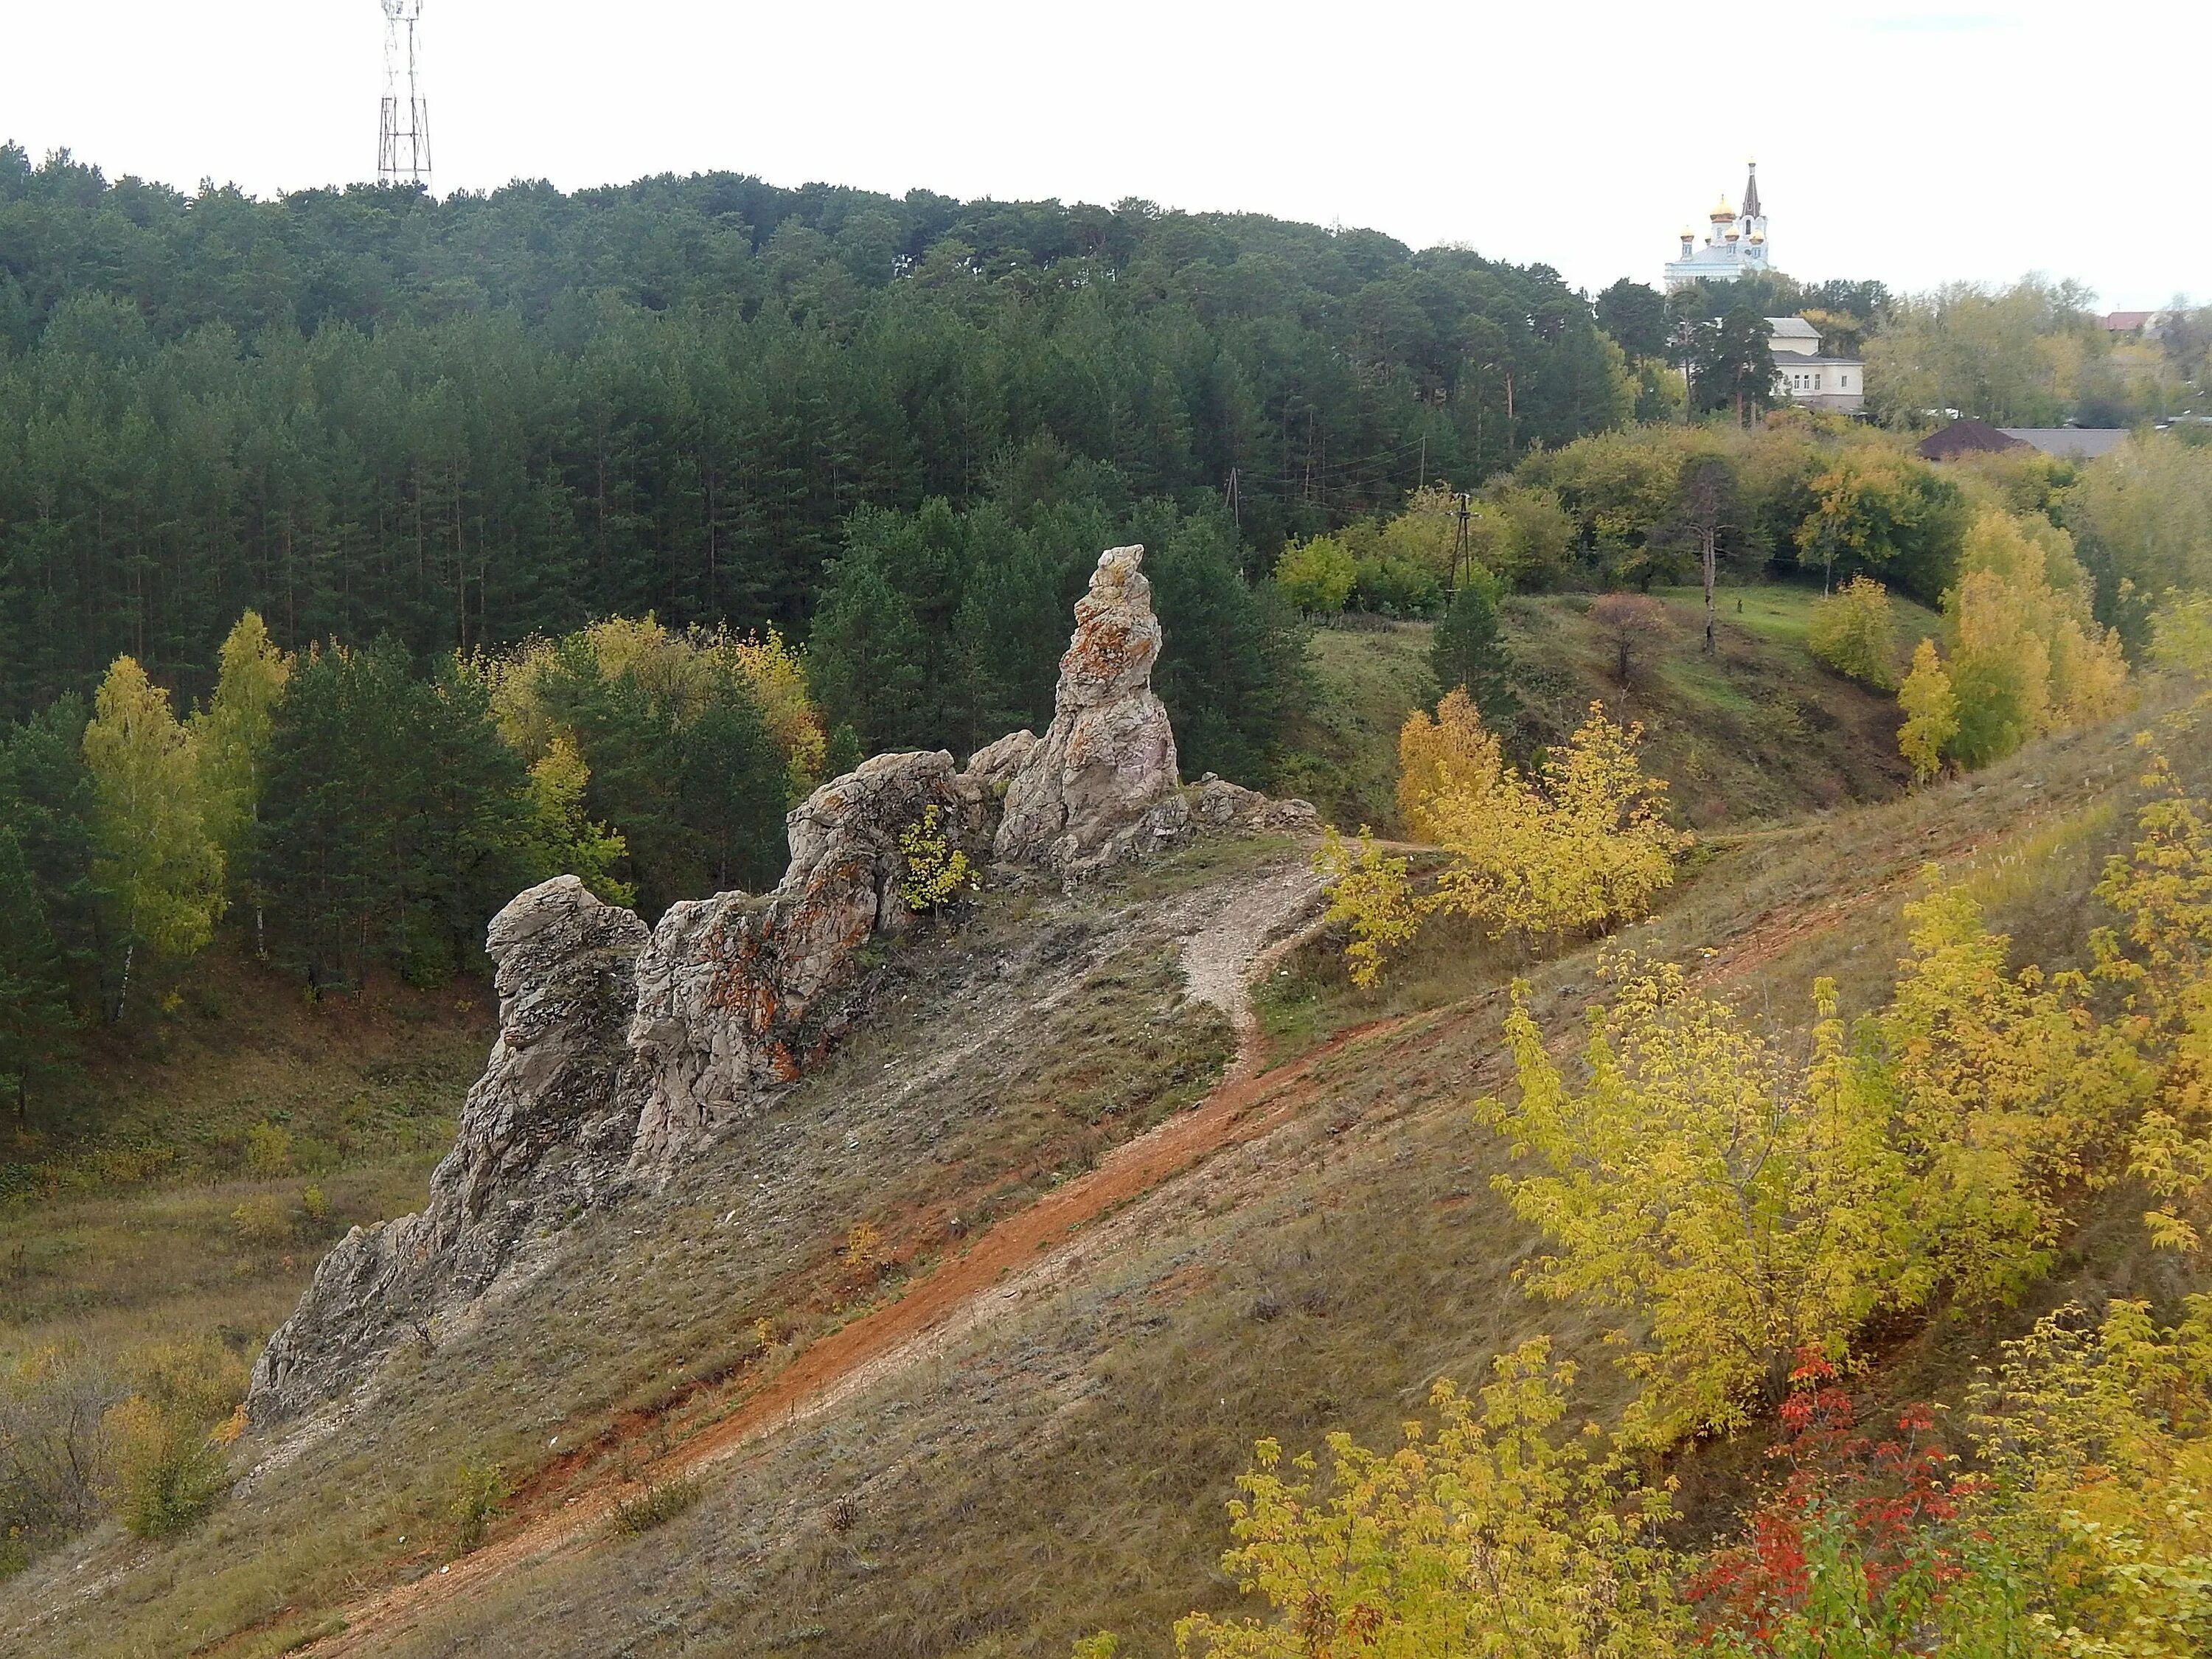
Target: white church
x,y
1737,247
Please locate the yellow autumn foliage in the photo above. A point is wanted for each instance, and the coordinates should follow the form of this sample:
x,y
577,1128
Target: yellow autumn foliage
x,y
1580,844
1494,1537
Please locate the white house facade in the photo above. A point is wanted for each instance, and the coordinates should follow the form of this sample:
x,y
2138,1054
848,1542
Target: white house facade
x,y
1806,376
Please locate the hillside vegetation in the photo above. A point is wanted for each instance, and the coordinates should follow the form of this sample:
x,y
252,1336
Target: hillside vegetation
x,y
1062,1464
1761,731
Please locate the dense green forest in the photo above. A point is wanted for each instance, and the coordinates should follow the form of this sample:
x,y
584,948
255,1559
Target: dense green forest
x,y
465,421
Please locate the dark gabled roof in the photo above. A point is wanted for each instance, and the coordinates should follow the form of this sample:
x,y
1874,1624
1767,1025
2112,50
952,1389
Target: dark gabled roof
x,y
1968,437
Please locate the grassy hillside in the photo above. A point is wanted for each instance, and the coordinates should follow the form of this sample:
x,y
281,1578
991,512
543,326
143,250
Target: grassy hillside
x,y
1059,1461
211,1152
1759,731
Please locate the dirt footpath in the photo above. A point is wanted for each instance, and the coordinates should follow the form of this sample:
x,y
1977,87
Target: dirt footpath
x,y
1228,947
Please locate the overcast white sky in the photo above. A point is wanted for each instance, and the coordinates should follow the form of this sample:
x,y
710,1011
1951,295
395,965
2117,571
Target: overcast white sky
x,y
1975,139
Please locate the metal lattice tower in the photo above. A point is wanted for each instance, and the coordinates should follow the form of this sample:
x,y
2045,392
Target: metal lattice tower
x,y
403,144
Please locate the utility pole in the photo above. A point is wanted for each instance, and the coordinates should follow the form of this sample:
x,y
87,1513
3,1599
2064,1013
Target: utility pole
x,y
402,142
1459,554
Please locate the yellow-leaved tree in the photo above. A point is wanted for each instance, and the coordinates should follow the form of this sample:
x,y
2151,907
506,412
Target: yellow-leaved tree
x,y
2026,657
2009,1096
230,740
563,835
2162,957
1580,845
154,852
1855,632
1931,713
1497,1537
1741,1206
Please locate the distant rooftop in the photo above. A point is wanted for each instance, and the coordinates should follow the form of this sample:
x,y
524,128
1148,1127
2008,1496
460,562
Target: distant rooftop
x,y
1791,328
2127,322
2075,442
1968,437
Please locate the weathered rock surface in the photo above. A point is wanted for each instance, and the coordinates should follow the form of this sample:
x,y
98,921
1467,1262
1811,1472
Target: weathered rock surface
x,y
736,994
1101,783
543,1133
622,1049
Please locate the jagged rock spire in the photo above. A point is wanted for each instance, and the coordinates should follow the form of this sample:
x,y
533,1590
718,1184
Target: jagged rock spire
x,y
1102,780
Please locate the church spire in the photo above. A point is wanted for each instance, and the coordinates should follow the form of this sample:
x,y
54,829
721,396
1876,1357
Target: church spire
x,y
1751,194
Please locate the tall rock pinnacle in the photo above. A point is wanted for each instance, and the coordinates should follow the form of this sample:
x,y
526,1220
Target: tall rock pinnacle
x,y
1104,772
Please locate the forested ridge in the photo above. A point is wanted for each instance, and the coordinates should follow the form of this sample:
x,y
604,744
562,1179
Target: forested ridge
x,y
466,422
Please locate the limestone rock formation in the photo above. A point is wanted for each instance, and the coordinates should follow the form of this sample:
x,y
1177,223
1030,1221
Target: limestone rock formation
x,y
544,1132
620,1050
736,993
1101,782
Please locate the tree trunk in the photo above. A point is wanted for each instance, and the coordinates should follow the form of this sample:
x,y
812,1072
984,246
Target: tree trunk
x,y
1710,553
123,995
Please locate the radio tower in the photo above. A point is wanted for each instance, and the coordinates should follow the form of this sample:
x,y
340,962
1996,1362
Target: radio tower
x,y
403,144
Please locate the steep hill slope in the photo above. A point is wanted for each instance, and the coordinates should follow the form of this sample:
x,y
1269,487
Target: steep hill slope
x,y
1048,1452
1759,732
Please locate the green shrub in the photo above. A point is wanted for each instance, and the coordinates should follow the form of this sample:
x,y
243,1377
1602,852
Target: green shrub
x,y
268,1150
474,1495
1317,576
1853,633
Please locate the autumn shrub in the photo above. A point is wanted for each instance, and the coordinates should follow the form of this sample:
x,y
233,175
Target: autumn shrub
x,y
1372,897
2098,1435
1438,755
1930,705
2023,654
1578,845
935,872
2159,956
1873,1543
1743,1205
1853,632
168,1442
263,1221
2009,1100
476,1492
268,1150
53,1447
1498,1537
1582,844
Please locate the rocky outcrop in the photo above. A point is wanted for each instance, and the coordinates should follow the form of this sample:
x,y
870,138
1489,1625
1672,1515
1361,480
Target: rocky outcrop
x,y
545,1133
622,1049
736,995
1101,783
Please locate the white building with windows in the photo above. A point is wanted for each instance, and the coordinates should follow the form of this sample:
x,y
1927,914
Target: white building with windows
x,y
1809,378
1735,247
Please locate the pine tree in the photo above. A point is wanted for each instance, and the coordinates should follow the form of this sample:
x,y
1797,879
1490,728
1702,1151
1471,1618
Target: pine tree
x,y
46,798
864,656
1467,653
36,1027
